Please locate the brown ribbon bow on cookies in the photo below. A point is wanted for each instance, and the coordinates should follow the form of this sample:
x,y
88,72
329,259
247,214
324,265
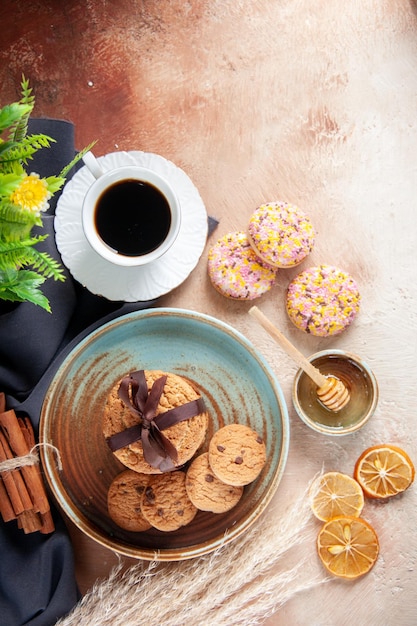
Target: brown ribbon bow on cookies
x,y
158,450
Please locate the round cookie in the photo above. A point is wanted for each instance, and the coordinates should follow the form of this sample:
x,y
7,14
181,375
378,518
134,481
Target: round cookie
x,y
235,271
281,234
187,436
237,454
124,501
206,491
322,300
165,503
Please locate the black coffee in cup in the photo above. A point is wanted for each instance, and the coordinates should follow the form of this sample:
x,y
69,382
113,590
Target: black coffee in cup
x,y
132,217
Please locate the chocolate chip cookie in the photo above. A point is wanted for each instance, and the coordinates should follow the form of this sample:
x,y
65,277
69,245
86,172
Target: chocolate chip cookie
x,y
206,491
124,500
237,454
165,503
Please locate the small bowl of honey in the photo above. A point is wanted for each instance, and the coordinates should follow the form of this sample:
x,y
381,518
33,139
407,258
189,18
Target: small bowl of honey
x,y
359,380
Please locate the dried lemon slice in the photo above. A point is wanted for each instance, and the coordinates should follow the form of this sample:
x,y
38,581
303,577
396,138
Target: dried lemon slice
x,y
335,494
384,471
348,546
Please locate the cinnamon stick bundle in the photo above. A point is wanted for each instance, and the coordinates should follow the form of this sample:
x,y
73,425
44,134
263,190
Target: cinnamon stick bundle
x,y
22,491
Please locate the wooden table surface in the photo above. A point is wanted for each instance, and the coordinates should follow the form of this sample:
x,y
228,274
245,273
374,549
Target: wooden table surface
x,y
257,100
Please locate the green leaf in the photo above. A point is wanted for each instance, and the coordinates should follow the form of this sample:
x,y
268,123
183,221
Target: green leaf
x,y
8,183
20,252
23,285
63,173
7,145
15,224
8,277
19,131
54,183
14,214
12,113
47,265
25,149
12,232
27,97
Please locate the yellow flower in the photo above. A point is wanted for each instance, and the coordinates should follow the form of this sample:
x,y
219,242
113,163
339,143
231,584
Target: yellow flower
x,y
32,194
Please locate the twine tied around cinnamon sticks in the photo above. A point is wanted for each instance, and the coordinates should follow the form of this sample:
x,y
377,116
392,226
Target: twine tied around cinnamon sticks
x,y
22,491
31,458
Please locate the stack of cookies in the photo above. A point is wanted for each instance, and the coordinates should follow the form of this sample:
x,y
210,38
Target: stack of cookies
x,y
185,436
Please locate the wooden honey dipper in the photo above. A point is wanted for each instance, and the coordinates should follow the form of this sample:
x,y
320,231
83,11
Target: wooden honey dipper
x,y
330,391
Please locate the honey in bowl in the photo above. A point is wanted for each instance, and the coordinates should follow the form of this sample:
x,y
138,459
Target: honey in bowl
x,y
360,382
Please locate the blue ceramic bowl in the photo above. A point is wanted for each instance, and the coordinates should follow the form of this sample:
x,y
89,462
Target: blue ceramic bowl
x,y
236,383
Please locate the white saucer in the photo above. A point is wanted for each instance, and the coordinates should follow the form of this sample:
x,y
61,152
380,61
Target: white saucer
x,y
131,284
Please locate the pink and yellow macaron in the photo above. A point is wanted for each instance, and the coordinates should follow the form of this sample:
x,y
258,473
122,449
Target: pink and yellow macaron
x,y
281,234
235,271
322,300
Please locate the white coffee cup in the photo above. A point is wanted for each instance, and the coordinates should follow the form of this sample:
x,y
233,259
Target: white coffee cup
x,y
131,215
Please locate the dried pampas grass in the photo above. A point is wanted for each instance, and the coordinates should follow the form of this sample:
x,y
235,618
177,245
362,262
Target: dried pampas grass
x,y
240,584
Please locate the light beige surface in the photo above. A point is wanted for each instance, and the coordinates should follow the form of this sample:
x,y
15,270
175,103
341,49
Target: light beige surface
x,y
317,101
309,101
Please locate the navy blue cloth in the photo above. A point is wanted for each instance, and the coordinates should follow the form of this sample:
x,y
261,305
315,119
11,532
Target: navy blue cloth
x,y
37,577
37,583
